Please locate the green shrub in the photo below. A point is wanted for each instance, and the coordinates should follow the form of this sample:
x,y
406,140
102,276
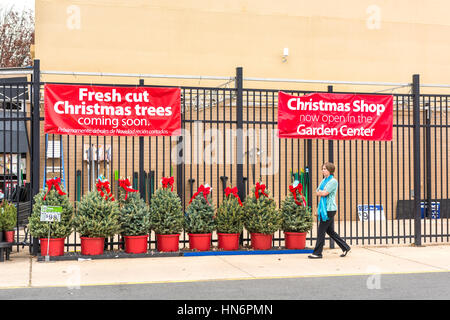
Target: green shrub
x,y
8,216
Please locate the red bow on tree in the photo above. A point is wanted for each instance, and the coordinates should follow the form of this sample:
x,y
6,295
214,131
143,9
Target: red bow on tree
x,y
205,190
125,184
104,184
168,181
260,187
53,183
234,192
299,187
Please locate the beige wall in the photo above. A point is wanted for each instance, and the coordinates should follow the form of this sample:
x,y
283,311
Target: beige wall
x,y
330,40
327,39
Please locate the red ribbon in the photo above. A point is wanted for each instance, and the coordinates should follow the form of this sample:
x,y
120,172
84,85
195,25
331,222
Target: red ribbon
x,y
53,183
205,190
168,181
260,187
234,192
125,183
299,187
104,184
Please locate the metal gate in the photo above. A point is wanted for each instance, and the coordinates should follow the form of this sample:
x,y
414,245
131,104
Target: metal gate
x,y
19,127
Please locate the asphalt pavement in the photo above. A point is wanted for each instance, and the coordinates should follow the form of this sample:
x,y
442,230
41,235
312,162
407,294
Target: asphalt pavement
x,y
368,272
411,286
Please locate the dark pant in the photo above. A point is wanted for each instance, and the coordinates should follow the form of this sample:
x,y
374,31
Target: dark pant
x,y
328,228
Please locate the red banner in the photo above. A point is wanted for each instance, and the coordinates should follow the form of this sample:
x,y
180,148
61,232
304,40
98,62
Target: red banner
x,y
112,111
335,116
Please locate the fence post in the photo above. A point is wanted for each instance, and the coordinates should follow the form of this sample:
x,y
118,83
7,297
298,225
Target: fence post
x,y
141,160
310,171
416,135
331,159
35,140
239,135
240,140
330,142
180,163
427,161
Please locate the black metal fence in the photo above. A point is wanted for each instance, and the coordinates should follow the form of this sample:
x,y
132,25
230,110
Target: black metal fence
x,y
16,148
389,192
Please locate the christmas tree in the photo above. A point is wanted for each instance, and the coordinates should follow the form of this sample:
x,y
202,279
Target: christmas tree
x,y
199,216
8,216
53,195
97,215
296,215
166,213
134,212
260,212
230,213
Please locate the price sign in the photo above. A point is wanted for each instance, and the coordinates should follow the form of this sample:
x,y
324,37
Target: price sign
x,y
51,213
371,212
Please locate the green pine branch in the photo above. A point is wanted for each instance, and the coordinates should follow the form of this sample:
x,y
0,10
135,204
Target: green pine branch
x,y
261,215
295,218
97,217
166,212
199,216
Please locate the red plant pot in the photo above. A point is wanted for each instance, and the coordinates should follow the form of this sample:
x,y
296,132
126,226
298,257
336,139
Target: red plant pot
x,y
9,236
200,241
168,242
261,241
92,246
295,240
228,241
136,244
55,246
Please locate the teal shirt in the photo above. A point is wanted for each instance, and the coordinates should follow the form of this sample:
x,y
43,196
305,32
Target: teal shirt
x,y
331,188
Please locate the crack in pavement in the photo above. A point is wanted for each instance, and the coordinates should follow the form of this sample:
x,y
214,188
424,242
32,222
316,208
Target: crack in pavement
x,y
222,258
407,259
30,272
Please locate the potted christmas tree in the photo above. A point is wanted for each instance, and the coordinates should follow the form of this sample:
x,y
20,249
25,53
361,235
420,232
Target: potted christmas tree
x,y
297,218
261,217
51,234
229,220
96,218
166,216
134,218
199,219
1,227
8,220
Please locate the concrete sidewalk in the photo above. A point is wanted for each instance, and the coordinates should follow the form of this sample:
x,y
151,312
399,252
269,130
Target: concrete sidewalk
x,y
24,271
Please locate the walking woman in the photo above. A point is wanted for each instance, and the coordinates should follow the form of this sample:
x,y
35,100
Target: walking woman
x,y
326,212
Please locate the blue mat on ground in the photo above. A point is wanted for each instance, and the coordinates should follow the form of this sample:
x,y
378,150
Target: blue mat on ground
x,y
244,252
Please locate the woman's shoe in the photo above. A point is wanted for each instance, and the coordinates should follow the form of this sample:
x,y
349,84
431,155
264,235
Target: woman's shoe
x,y
315,256
345,252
